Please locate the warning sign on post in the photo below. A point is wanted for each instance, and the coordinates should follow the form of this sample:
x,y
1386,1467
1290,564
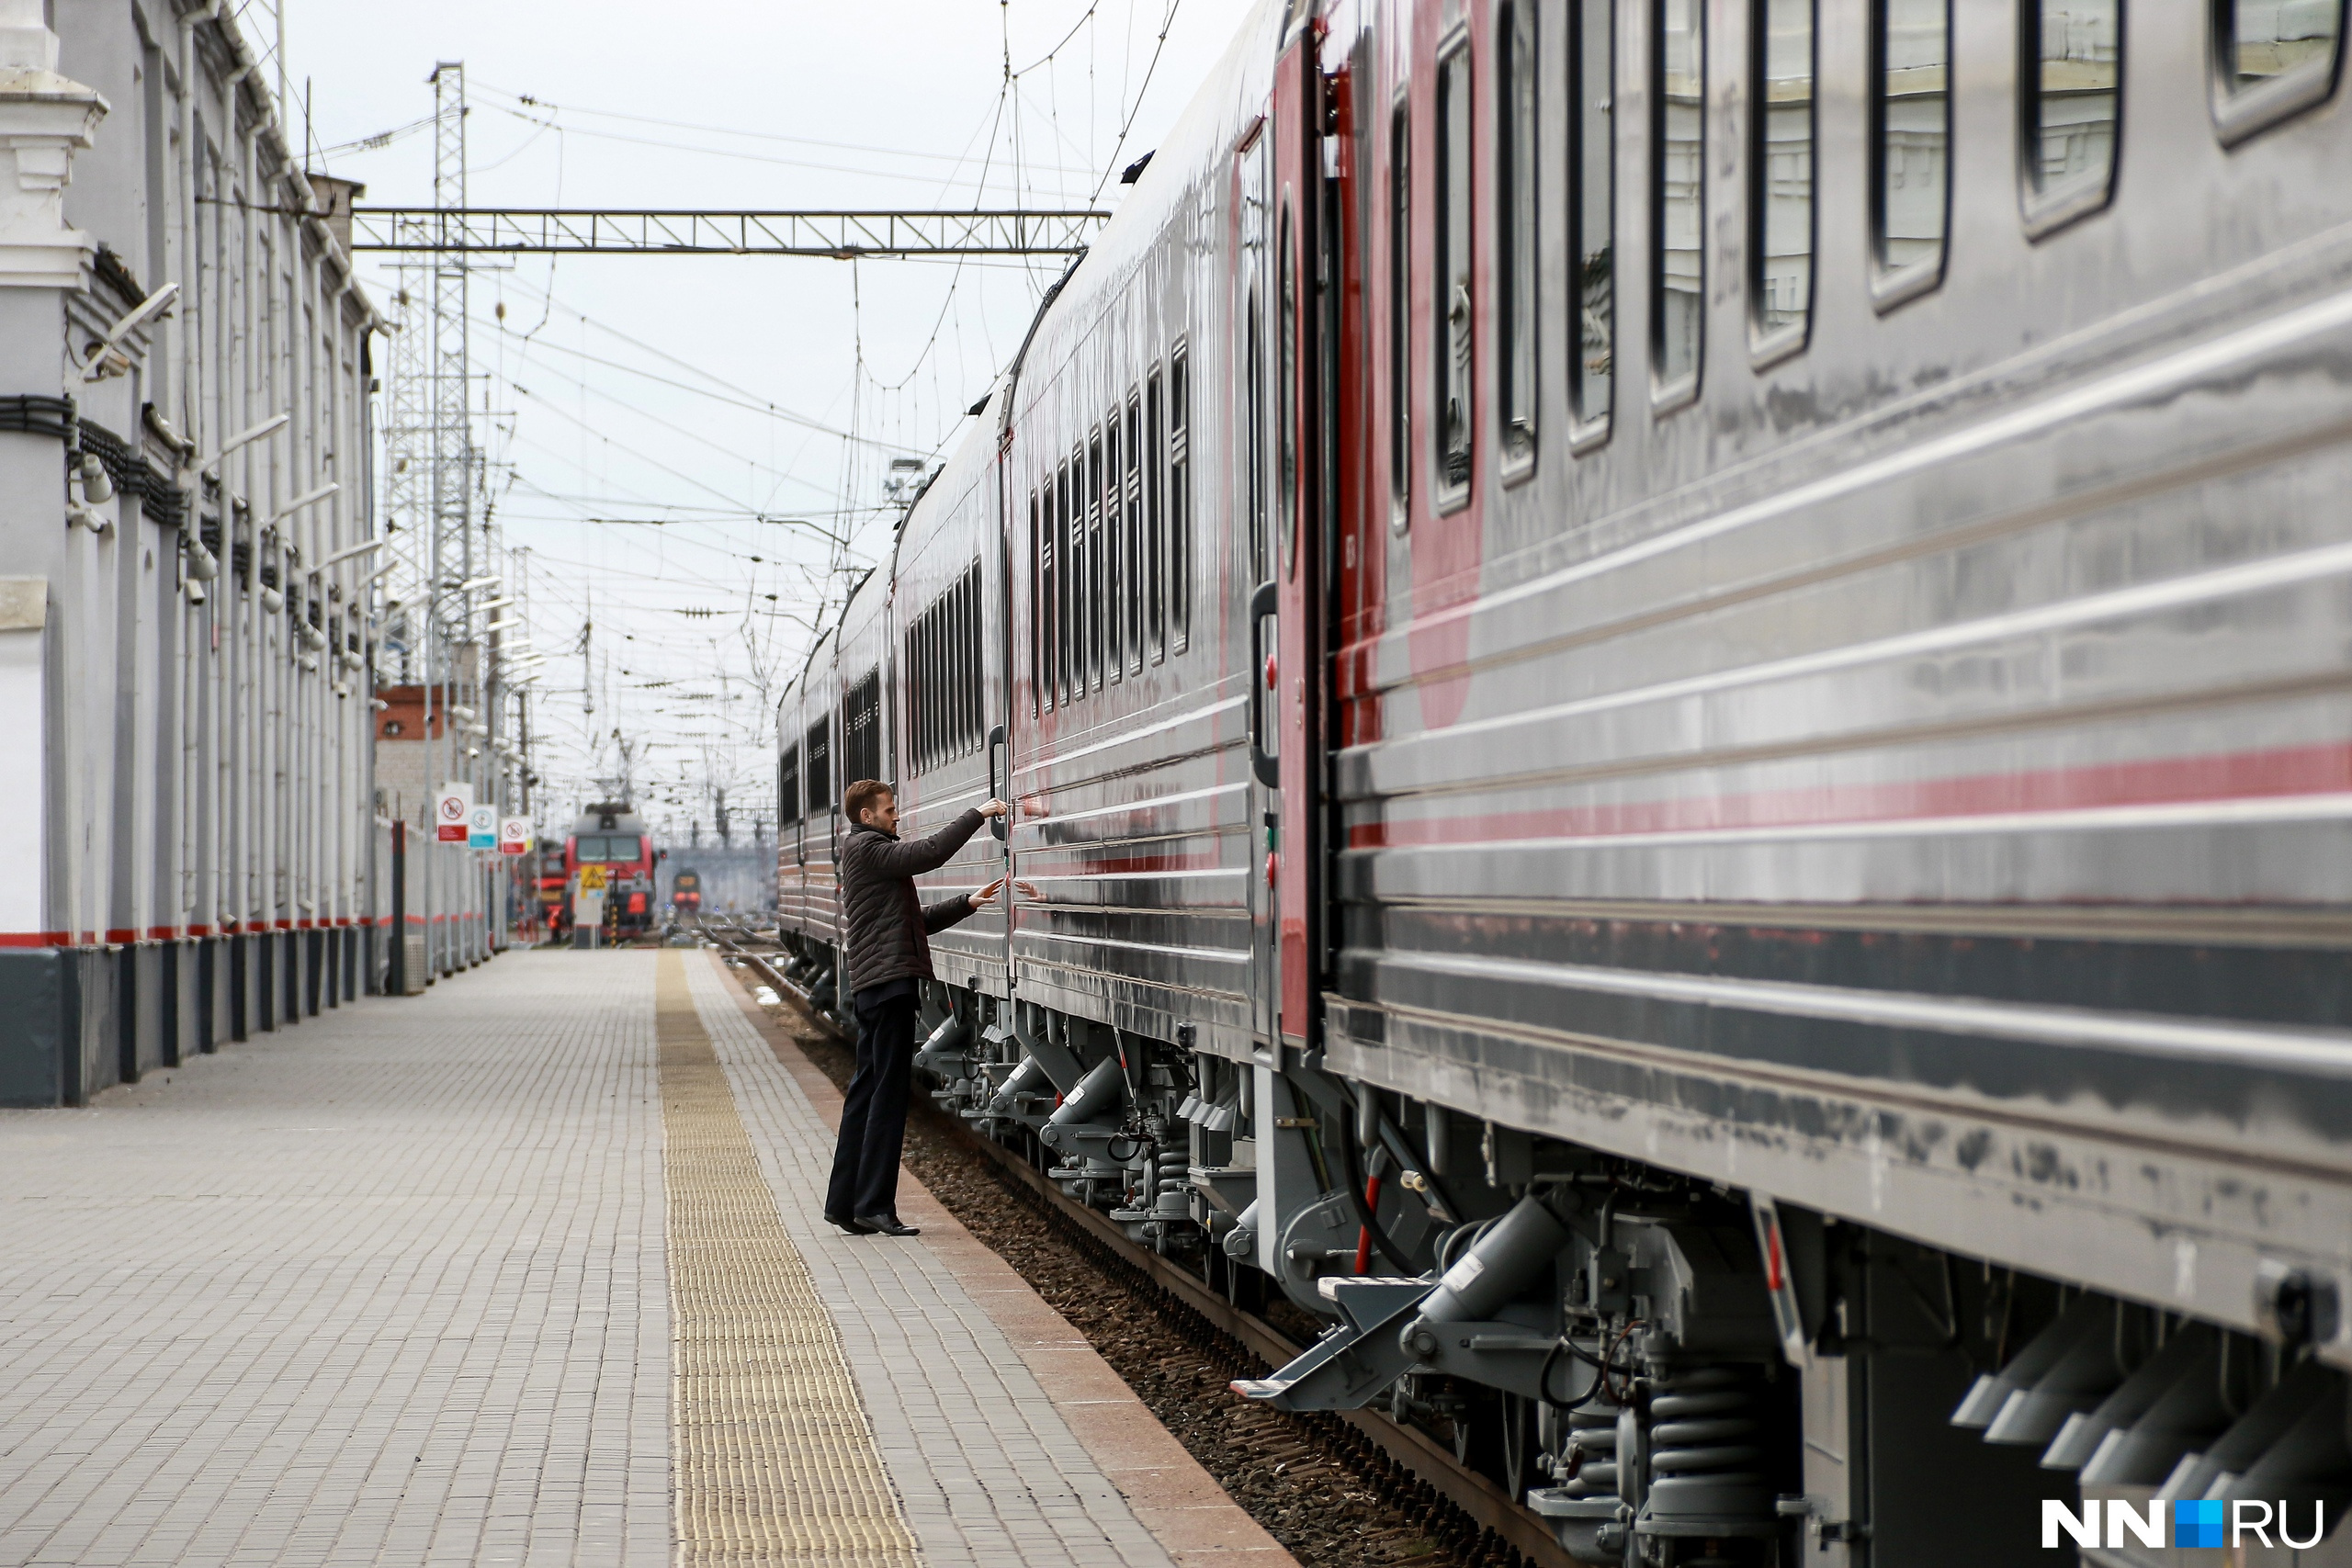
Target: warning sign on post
x,y
481,827
592,879
513,835
451,807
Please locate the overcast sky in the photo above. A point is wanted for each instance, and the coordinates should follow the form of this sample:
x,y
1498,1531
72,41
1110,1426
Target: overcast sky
x,y
637,389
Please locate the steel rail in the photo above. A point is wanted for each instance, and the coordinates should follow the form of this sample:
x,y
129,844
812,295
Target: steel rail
x,y
1424,1456
840,236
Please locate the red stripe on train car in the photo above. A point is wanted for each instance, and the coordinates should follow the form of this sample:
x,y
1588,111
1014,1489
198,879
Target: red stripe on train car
x,y
2245,775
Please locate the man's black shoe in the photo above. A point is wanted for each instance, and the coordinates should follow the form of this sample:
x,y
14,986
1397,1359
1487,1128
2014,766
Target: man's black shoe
x,y
886,1224
854,1228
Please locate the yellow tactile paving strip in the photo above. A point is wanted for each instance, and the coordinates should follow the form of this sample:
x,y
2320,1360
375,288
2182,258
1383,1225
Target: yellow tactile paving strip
x,y
773,1458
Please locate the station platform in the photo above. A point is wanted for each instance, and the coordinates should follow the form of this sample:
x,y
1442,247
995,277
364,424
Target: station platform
x,y
531,1269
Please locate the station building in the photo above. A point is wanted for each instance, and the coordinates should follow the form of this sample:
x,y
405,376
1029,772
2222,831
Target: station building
x,y
187,838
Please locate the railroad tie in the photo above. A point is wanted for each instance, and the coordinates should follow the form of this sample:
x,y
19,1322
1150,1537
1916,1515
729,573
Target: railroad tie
x,y
772,1458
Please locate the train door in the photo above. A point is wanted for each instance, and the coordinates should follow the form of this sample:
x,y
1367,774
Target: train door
x,y
1289,675
1254,286
997,695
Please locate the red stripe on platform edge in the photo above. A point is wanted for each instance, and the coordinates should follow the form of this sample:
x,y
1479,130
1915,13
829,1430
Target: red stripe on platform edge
x,y
35,939
200,931
282,925
163,933
123,933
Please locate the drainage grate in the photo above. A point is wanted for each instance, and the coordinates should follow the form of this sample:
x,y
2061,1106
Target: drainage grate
x,y
772,1458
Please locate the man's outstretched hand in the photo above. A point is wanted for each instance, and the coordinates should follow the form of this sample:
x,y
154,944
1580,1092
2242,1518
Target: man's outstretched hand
x,y
994,808
987,896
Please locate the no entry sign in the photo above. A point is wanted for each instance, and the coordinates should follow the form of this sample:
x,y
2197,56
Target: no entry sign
x,y
451,807
513,835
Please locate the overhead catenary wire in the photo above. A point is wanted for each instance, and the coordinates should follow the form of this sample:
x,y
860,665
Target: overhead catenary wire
x,y
724,130
656,523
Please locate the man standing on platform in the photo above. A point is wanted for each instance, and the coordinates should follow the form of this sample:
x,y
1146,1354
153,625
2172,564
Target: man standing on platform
x,y
888,952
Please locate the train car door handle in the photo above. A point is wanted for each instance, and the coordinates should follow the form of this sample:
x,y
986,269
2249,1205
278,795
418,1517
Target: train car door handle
x,y
1262,603
996,744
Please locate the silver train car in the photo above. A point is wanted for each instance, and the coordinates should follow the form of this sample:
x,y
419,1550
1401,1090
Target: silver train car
x,y
1675,673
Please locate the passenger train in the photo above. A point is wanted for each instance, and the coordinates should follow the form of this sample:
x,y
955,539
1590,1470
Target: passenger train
x,y
1677,678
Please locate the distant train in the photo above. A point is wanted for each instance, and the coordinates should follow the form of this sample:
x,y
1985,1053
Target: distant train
x,y
613,836
685,892
548,886
1675,678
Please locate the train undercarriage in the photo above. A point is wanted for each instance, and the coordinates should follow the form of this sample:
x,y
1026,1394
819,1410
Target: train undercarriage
x,y
1669,1371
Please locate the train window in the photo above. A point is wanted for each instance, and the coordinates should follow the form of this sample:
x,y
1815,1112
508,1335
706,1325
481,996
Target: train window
x,y
1254,419
1254,366
1515,223
1131,510
1069,676
1287,390
1154,518
942,676
1780,283
1678,193
1179,506
2072,72
1093,607
1041,551
915,699
1911,142
1115,561
2272,58
944,679
922,692
862,728
788,786
1593,210
1086,569
1449,271
1066,567
1401,312
817,775
963,671
948,656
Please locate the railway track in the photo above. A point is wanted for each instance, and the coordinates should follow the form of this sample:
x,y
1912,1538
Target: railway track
x,y
1470,1516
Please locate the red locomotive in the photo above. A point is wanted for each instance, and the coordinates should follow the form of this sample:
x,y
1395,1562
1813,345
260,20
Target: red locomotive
x,y
613,836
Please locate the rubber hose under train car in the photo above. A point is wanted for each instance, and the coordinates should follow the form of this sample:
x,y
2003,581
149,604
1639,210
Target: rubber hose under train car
x,y
1365,1216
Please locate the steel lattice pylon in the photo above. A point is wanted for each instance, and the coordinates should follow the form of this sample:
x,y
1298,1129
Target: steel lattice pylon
x,y
452,553
408,464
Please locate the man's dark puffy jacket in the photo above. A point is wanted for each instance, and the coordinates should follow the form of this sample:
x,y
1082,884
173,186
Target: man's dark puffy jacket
x,y
888,924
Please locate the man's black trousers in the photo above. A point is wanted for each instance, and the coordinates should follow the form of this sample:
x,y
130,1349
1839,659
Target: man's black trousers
x,y
873,1112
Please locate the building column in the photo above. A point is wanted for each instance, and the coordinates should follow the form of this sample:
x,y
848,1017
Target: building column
x,y
54,1000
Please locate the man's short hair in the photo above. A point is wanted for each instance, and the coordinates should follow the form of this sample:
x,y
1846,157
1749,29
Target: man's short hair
x,y
862,794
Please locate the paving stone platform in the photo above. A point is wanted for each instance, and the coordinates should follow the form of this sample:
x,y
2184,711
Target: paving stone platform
x,y
391,1288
